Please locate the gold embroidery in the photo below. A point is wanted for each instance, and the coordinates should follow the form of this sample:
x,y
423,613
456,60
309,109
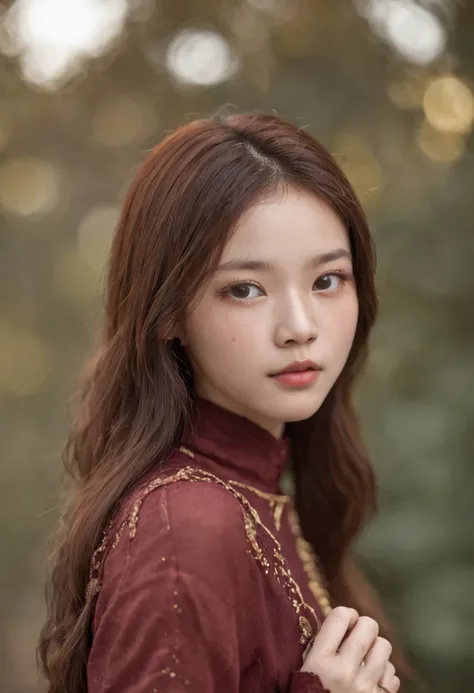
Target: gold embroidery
x,y
309,561
277,512
276,502
304,549
252,523
306,627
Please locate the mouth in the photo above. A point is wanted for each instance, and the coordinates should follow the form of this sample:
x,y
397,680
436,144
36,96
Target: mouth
x,y
297,379
299,374
297,367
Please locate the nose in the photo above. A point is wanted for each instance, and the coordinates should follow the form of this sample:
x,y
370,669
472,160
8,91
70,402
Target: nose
x,y
296,324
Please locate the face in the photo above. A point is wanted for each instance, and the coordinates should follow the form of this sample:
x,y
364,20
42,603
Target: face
x,y
283,292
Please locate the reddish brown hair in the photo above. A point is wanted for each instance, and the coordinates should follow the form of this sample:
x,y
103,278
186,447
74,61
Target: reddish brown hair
x,y
136,395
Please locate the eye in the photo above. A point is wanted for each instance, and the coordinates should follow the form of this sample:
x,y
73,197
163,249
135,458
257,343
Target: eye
x,y
243,291
332,281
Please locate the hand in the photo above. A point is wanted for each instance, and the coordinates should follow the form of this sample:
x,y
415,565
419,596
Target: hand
x,y
349,657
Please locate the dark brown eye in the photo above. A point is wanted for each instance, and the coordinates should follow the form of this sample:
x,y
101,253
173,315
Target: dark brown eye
x,y
324,282
243,291
240,290
329,282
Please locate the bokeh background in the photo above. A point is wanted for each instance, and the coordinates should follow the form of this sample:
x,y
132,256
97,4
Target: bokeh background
x,y
87,87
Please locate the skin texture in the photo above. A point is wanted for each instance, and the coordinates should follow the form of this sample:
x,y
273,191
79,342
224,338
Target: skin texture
x,y
236,333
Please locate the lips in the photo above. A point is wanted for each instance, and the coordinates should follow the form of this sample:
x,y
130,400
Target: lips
x,y
298,366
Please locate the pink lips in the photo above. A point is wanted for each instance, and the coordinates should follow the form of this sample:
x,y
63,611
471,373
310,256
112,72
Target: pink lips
x,y
297,378
298,373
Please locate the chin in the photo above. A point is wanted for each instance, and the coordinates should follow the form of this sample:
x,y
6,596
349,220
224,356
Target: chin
x,y
297,407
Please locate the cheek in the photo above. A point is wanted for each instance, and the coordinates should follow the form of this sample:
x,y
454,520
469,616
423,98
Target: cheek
x,y
213,333
345,327
352,318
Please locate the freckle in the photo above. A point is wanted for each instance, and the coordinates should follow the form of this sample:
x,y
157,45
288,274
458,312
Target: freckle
x,y
186,683
163,559
172,674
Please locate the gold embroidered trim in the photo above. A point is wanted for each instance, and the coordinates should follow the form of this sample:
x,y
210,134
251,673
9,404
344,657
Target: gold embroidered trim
x,y
252,523
309,560
304,549
276,501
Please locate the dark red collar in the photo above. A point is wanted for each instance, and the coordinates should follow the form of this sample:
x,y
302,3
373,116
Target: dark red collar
x,y
235,447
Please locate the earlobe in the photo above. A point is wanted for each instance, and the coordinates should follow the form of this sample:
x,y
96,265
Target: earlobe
x,y
180,335
172,334
168,334
181,341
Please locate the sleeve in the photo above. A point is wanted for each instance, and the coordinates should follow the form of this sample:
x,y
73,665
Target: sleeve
x,y
305,682
168,621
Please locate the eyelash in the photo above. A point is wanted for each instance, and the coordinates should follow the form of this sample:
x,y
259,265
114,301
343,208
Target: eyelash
x,y
341,274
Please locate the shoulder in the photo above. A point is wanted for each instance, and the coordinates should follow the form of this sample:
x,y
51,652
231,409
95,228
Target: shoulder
x,y
186,500
188,522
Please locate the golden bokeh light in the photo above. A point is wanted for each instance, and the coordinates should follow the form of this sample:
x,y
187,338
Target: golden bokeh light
x,y
360,166
24,361
121,120
29,186
95,234
442,147
448,104
407,92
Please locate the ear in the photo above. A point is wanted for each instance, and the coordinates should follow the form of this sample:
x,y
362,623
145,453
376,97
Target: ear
x,y
173,332
167,334
180,335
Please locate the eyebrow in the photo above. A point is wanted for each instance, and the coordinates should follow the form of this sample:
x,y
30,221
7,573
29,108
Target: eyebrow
x,y
264,266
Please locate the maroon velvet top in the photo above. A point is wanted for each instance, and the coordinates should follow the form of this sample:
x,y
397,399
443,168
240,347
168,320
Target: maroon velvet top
x,y
203,587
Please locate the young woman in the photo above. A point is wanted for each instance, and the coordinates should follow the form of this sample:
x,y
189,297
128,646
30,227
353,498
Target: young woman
x,y
240,298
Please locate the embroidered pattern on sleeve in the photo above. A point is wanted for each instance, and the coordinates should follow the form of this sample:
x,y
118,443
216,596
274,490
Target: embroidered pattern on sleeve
x,y
254,529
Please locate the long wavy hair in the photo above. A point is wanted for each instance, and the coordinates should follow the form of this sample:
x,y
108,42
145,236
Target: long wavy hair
x,y
137,392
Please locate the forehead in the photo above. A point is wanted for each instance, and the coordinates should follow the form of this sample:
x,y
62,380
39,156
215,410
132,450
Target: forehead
x,y
286,228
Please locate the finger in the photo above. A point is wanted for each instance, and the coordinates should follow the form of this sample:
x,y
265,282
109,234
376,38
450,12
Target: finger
x,y
389,681
388,674
359,642
308,649
334,629
393,687
376,660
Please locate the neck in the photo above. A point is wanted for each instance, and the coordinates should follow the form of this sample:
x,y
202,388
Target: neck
x,y
274,427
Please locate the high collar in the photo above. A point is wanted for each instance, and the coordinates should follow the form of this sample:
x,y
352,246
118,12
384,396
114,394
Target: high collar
x,y
235,447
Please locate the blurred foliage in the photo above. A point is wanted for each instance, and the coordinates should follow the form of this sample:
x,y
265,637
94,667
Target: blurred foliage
x,y
86,89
